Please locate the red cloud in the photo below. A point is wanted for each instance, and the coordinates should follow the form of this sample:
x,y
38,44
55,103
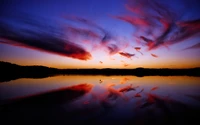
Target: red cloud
x,y
154,55
128,55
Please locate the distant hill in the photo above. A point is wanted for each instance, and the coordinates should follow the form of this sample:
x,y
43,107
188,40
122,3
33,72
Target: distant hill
x,y
11,71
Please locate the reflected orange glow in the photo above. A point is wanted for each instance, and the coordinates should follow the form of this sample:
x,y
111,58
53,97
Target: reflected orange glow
x,y
158,63
164,61
81,87
17,88
139,95
154,88
126,88
124,80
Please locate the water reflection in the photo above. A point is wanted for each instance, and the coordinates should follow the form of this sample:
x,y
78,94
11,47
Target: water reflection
x,y
104,99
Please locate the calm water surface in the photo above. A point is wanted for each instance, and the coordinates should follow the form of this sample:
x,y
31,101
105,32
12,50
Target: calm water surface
x,y
110,99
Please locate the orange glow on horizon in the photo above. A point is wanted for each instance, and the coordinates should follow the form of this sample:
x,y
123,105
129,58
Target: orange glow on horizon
x,y
116,65
21,56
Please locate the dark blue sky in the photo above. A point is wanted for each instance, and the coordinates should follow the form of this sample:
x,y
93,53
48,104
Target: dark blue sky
x,y
117,33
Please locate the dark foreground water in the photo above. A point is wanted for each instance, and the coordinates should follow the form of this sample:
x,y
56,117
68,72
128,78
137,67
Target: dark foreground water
x,y
101,100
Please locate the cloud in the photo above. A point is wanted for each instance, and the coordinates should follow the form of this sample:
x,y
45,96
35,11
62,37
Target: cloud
x,y
113,49
185,30
138,50
37,36
127,55
135,21
154,55
86,33
195,46
85,22
64,39
174,34
103,37
157,24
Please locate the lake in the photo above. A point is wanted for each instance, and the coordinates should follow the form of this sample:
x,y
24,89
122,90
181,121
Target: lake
x,y
101,99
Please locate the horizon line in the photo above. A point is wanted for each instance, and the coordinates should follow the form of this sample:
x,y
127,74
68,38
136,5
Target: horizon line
x,y
92,68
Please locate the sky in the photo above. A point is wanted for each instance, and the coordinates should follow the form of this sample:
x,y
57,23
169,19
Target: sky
x,y
101,33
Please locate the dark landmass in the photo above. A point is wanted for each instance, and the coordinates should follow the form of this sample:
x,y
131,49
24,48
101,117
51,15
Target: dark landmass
x,y
11,71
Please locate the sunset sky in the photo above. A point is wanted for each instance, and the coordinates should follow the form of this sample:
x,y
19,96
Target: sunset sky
x,y
101,33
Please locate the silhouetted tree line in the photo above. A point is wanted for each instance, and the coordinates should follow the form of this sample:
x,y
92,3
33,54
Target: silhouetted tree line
x,y
11,71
